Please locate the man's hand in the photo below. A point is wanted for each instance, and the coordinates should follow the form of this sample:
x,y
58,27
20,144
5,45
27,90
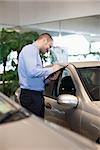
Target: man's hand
x,y
56,67
55,76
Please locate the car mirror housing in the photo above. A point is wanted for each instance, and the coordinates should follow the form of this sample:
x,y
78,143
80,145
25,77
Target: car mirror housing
x,y
68,100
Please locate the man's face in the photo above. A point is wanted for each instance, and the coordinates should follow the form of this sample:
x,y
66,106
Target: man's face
x,y
47,44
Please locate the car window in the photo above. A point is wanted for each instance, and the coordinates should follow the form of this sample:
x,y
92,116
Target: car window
x,y
66,85
49,88
62,85
91,81
51,84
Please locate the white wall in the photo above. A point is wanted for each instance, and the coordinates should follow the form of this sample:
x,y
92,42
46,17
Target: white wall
x,y
38,12
9,13
24,12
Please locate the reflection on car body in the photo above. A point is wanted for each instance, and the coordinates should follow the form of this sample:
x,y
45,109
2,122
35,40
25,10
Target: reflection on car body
x,y
9,113
20,130
73,99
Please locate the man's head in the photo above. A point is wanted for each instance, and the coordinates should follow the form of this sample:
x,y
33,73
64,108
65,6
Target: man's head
x,y
44,42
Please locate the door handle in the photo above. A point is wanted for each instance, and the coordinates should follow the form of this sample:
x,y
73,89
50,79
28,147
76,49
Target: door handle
x,y
48,106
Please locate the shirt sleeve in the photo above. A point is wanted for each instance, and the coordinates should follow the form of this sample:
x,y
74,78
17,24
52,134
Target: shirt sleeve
x,y
33,65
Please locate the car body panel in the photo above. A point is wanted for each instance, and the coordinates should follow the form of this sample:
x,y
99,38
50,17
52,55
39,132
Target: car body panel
x,y
85,118
33,133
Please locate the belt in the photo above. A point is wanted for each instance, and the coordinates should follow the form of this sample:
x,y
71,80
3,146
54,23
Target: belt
x,y
34,91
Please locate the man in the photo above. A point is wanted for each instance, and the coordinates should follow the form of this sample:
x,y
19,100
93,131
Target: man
x,y
32,74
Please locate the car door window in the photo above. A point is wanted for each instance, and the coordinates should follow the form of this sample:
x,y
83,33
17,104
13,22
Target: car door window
x,y
49,89
66,85
51,86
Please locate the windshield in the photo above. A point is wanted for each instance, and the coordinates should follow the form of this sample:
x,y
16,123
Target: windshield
x,y
9,113
91,81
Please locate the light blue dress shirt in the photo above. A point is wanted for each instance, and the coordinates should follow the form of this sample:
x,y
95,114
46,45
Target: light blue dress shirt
x,y
30,70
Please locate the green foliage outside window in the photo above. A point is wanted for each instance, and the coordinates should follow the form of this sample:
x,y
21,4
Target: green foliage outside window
x,y
12,41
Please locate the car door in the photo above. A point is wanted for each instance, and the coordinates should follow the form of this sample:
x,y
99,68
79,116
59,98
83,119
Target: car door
x,y
54,111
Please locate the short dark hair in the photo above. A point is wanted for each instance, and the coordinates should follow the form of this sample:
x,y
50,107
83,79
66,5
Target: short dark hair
x,y
47,35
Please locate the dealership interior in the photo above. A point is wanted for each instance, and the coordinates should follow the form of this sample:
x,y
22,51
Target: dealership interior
x,y
75,28
74,25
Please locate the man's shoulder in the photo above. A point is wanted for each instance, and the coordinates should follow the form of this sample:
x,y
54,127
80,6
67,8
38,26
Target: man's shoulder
x,y
28,49
27,46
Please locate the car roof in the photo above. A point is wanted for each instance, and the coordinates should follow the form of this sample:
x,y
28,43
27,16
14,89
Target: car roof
x,y
85,64
80,64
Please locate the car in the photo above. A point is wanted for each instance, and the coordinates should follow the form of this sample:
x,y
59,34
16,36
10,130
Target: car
x,y
72,100
20,130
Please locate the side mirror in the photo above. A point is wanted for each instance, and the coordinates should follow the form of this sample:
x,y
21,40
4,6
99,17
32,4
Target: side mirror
x,y
70,101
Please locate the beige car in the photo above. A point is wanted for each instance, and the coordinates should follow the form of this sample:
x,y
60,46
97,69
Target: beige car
x,y
73,99
20,130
